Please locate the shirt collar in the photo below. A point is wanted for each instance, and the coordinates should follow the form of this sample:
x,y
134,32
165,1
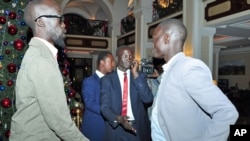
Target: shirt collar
x,y
122,72
51,47
99,74
166,65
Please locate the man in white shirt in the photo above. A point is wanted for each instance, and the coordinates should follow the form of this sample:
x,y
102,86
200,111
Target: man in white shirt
x,y
188,106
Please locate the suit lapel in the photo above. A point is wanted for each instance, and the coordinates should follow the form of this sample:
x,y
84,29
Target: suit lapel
x,y
116,85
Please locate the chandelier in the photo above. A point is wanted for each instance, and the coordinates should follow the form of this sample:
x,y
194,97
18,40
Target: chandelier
x,y
165,3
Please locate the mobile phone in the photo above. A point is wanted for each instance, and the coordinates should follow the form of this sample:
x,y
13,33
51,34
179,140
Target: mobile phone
x,y
133,64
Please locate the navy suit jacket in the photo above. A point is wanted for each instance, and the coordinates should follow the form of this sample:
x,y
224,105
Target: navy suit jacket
x,y
93,124
111,101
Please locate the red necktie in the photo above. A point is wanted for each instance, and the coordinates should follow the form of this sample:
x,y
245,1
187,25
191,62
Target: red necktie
x,y
125,95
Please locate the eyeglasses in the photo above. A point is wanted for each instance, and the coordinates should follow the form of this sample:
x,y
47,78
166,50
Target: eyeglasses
x,y
51,16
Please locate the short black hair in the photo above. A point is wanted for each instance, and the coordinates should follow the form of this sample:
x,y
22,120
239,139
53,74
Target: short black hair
x,y
103,55
121,48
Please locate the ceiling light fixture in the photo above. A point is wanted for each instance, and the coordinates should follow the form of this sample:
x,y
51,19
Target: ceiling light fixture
x,y
165,3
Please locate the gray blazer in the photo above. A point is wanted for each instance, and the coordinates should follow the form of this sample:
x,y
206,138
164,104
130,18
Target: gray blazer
x,y
42,111
190,106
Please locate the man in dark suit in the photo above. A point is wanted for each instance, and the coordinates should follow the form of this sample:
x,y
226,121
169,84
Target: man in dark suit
x,y
124,108
93,124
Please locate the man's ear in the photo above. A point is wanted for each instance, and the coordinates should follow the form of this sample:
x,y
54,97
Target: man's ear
x,y
101,61
40,22
166,38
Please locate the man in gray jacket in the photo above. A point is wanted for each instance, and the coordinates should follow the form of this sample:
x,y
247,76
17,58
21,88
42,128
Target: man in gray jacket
x,y
188,106
42,111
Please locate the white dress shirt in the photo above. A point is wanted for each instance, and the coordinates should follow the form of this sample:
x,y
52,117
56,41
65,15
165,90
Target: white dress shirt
x,y
157,134
121,78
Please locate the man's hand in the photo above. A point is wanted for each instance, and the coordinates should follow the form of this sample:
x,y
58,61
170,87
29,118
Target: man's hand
x,y
123,120
134,68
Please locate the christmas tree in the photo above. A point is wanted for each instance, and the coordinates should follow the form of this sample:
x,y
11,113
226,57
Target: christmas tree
x,y
13,37
73,98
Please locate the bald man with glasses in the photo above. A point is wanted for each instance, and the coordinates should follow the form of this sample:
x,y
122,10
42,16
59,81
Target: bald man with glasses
x,y
42,111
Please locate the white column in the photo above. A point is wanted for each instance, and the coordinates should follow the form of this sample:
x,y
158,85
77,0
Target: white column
x,y
143,16
216,58
199,42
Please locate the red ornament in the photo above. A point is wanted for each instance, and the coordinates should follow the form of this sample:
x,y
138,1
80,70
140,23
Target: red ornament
x,y
66,63
12,29
73,111
2,20
9,82
1,82
65,72
65,50
7,51
12,15
6,102
19,44
11,68
7,134
72,93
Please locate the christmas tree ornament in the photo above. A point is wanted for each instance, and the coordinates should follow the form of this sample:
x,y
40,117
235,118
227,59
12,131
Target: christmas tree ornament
x,y
22,23
22,3
20,11
12,29
2,88
12,15
7,52
18,16
21,32
11,68
1,66
23,37
18,44
77,104
65,72
6,12
72,93
66,62
5,43
7,134
13,5
2,20
10,83
6,103
73,111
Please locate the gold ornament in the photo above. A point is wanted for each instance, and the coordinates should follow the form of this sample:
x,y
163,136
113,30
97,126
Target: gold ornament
x,y
1,65
78,117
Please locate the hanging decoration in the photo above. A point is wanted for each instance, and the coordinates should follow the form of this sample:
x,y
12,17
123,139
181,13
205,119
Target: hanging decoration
x,y
6,103
163,8
12,30
2,19
11,68
19,44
